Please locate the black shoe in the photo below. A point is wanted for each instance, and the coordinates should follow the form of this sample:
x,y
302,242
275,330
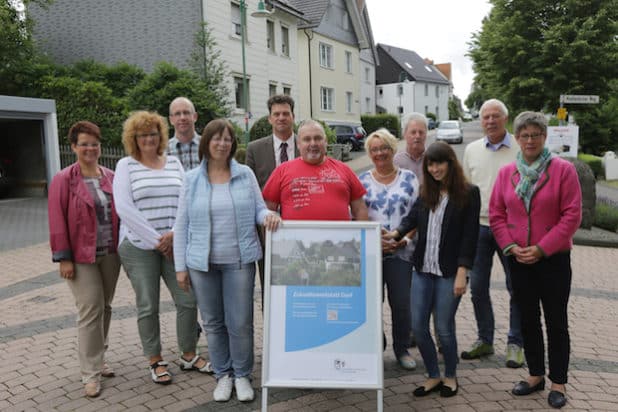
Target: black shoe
x,y
556,399
447,391
523,388
421,391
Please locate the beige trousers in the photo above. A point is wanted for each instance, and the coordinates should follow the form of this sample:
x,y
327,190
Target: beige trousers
x,y
93,288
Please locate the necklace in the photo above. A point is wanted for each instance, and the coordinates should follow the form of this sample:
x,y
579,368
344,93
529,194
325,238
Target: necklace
x,y
389,174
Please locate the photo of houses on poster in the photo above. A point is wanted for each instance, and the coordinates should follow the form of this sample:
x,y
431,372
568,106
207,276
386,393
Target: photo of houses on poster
x,y
309,260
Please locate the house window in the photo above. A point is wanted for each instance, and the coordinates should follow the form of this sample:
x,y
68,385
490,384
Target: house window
x,y
437,91
380,91
326,55
272,89
400,109
367,75
426,89
285,41
287,91
348,102
426,109
326,98
400,90
367,105
239,92
345,22
348,62
236,20
437,112
270,35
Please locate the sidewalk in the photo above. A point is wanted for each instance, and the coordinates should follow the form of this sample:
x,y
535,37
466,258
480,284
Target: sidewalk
x,y
40,370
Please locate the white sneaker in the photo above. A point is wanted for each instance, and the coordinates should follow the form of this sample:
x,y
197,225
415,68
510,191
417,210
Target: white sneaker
x,y
244,391
223,391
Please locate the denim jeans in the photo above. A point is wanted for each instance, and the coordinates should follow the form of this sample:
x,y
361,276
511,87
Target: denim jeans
x,y
546,283
225,300
145,268
479,289
435,294
397,275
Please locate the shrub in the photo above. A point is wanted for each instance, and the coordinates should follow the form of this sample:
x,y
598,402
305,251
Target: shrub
x,y
371,123
260,128
331,136
594,162
606,216
430,115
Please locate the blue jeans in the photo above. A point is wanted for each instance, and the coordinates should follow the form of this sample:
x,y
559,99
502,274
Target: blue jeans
x,y
225,299
397,274
435,294
479,289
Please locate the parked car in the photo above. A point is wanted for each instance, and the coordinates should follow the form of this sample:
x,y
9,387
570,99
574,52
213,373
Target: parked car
x,y
431,124
450,131
348,133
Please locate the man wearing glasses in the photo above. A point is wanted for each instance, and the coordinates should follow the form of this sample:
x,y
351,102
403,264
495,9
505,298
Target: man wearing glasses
x,y
185,142
481,162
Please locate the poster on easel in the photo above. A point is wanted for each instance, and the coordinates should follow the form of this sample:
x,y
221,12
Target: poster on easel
x,y
323,306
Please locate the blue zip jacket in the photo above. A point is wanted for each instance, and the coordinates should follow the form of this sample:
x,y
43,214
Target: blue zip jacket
x,y
192,230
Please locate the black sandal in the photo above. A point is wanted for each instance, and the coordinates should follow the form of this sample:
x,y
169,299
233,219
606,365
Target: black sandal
x,y
156,377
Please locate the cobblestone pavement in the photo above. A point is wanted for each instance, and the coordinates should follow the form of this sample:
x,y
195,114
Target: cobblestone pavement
x,y
39,368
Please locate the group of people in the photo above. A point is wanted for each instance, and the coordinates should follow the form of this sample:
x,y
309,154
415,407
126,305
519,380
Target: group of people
x,y
188,212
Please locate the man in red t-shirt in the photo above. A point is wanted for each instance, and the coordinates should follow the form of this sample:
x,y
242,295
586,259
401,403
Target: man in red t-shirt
x,y
314,186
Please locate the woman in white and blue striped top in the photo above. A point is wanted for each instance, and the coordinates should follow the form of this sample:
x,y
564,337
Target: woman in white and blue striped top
x,y
146,191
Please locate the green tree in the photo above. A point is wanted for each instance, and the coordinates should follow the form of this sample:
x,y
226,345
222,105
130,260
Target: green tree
x,y
528,52
157,89
78,100
16,46
206,63
120,78
454,108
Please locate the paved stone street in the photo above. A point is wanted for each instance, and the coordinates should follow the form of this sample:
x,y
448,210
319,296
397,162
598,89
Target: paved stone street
x,y
39,368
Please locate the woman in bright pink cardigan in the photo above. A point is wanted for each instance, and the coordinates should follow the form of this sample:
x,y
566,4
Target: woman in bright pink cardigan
x,y
534,210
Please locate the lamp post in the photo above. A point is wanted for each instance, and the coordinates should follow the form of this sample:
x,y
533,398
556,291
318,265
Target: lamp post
x,y
261,12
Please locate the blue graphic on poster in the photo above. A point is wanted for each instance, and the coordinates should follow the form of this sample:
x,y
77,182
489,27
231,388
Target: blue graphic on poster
x,y
331,304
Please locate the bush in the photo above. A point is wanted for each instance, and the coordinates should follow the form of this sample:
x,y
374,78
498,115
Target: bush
x,y
260,128
371,123
331,136
430,115
594,162
606,216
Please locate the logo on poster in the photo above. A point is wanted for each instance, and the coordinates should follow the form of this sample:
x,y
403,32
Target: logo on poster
x,y
339,364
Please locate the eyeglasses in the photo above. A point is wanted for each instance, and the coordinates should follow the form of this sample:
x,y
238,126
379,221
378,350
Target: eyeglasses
x,y
376,150
533,136
154,135
89,145
182,113
220,139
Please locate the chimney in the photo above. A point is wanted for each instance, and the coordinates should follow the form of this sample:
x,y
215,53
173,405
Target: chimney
x,y
428,60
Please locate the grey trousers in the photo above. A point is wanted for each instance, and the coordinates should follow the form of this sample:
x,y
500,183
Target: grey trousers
x,y
145,268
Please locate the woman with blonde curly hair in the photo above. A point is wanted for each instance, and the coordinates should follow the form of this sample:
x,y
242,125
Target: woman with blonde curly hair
x,y
146,190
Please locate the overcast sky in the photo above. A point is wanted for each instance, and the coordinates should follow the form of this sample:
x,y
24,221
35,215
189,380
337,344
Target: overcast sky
x,y
436,29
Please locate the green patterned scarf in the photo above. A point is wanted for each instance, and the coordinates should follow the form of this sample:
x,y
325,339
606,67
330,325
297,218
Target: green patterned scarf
x,y
529,174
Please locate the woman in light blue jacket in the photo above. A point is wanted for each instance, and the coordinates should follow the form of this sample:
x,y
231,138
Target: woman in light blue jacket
x,y
215,249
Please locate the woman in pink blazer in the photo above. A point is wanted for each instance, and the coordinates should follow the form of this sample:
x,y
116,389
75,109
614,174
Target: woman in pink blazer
x,y
535,209
83,234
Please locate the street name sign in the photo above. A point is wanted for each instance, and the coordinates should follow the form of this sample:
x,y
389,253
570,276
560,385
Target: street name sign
x,y
579,99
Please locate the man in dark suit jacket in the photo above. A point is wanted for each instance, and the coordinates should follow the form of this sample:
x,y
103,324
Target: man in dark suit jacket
x,y
265,154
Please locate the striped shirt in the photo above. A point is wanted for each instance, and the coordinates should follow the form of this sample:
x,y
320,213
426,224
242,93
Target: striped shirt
x,y
431,262
147,200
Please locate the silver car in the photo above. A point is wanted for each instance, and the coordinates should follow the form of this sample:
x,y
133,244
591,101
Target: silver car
x,y
450,131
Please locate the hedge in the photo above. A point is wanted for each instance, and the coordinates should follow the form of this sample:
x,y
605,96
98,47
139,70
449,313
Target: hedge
x,y
371,123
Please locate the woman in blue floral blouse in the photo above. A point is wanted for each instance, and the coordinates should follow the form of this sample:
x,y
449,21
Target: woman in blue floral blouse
x,y
391,192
